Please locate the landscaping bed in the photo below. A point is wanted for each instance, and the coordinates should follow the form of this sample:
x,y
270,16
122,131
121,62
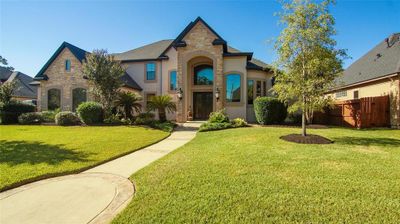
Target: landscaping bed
x,y
29,153
249,175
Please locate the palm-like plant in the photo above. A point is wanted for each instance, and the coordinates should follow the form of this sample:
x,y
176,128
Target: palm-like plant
x,y
162,104
127,103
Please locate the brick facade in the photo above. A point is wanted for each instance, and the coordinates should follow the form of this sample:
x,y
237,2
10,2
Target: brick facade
x,y
63,80
198,43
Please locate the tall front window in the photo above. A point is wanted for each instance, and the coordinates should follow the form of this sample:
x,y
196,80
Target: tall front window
x,y
233,86
203,75
78,97
172,81
250,91
151,71
53,99
68,65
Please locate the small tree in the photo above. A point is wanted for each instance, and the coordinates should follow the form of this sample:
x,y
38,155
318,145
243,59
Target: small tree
x,y
127,103
103,74
161,104
6,91
306,56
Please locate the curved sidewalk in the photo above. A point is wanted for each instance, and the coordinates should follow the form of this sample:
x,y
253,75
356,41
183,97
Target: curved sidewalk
x,y
94,196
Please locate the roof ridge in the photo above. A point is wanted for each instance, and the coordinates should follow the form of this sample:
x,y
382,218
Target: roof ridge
x,y
146,45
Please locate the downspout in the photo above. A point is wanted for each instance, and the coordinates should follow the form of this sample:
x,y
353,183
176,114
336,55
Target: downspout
x,y
161,80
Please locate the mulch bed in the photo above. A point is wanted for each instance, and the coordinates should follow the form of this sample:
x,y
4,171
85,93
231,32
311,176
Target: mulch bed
x,y
309,139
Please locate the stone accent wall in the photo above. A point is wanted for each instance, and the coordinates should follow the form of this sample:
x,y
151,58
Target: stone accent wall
x,y
199,43
61,79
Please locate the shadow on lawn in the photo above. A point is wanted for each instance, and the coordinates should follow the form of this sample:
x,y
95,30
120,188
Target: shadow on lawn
x,y
367,141
18,152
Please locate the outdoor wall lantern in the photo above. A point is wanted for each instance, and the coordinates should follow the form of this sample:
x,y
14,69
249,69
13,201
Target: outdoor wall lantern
x,y
180,93
217,94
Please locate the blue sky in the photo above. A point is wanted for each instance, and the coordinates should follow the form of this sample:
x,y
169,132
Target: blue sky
x,y
30,31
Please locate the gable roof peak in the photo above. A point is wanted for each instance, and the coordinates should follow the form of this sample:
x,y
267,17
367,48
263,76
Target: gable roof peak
x,y
79,53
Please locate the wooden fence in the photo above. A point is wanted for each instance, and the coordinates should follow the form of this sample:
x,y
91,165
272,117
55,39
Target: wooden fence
x,y
360,113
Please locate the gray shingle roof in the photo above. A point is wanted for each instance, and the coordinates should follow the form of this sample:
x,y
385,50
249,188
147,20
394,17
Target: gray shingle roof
x,y
154,50
379,61
129,82
148,52
4,74
22,88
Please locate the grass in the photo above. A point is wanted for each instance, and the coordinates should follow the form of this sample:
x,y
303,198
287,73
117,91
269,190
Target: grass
x,y
249,175
29,153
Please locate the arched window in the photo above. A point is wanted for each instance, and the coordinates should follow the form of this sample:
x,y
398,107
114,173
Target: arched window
x,y
53,99
203,75
233,86
78,97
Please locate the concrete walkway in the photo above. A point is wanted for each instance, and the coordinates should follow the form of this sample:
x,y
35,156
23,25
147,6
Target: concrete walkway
x,y
94,196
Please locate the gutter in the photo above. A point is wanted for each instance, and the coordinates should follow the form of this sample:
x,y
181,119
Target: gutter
x,y
364,82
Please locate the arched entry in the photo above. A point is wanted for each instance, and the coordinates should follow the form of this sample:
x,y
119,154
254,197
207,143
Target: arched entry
x,y
200,86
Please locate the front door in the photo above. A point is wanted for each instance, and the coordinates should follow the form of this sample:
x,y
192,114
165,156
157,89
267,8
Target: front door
x,y
202,105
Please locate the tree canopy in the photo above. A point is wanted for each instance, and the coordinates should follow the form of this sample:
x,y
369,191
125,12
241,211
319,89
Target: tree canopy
x,y
308,60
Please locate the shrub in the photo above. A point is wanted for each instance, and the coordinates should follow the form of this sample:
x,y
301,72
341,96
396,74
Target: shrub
x,y
269,110
294,118
238,122
10,112
50,115
218,117
113,119
214,126
90,112
30,118
144,119
67,118
164,126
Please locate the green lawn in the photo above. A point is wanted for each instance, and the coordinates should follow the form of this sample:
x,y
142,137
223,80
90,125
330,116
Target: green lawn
x,y
249,175
34,152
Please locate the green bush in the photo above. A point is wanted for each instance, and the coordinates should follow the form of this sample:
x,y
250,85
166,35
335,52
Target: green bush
x,y
30,118
218,117
269,110
144,119
67,118
50,115
113,119
90,112
214,126
10,112
164,126
238,122
294,118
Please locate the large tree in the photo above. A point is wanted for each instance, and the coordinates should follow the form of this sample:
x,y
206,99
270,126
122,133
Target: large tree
x,y
307,56
4,64
104,76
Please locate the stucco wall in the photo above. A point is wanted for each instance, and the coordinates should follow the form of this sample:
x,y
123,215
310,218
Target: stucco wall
x,y
61,79
383,87
236,65
168,66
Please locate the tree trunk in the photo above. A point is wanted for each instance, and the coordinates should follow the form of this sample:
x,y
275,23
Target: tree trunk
x,y
303,119
161,115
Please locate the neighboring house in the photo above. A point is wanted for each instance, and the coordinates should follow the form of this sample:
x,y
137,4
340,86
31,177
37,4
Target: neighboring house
x,y
377,73
198,64
23,89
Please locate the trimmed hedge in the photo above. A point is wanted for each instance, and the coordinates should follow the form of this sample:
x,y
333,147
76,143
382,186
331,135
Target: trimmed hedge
x,y
214,126
30,118
50,115
67,118
269,110
10,112
90,112
218,117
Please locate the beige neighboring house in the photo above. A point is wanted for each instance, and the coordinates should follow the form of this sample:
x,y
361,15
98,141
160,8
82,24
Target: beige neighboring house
x,y
377,73
197,68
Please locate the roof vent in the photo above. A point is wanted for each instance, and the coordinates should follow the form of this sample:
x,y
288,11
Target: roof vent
x,y
392,40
